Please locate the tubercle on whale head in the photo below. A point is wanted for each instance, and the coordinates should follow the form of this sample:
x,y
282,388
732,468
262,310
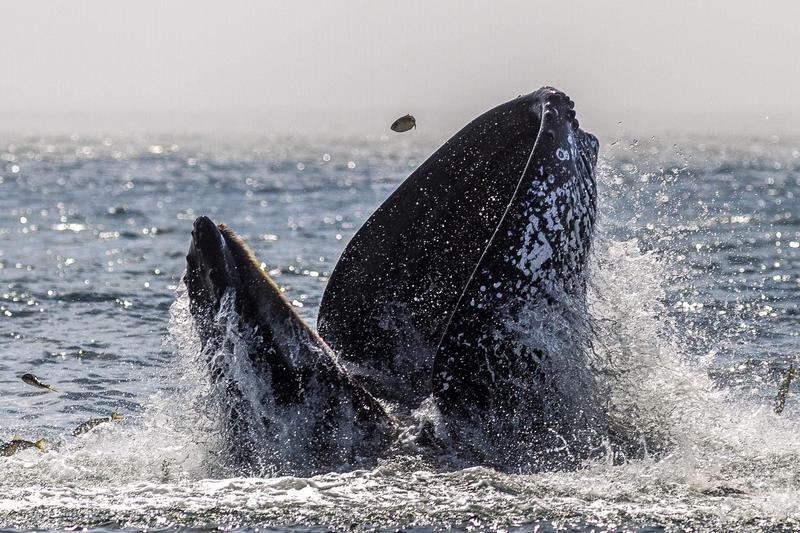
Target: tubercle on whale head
x,y
210,267
549,100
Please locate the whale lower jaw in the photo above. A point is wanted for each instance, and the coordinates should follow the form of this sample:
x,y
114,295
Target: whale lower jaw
x,y
287,404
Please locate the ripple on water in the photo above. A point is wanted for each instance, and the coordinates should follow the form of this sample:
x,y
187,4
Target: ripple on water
x,y
704,336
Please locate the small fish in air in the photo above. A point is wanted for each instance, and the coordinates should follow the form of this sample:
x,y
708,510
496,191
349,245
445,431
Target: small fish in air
x,y
404,124
90,424
33,381
17,444
783,390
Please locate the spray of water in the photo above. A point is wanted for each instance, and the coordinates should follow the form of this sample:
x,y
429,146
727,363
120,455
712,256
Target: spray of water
x,y
695,453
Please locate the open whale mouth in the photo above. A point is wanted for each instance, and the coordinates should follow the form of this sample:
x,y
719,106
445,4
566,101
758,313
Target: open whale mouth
x,y
432,297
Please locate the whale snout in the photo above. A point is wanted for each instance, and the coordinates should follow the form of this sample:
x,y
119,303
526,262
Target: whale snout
x,y
211,268
206,236
557,111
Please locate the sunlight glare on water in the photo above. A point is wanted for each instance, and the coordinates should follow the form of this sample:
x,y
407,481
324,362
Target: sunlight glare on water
x,y
694,296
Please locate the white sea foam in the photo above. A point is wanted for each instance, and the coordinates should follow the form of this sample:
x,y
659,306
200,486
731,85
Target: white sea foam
x,y
713,459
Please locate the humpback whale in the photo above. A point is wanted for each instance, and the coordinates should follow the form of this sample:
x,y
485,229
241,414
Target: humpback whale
x,y
450,310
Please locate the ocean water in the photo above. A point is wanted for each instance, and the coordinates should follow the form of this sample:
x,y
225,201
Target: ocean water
x,y
694,286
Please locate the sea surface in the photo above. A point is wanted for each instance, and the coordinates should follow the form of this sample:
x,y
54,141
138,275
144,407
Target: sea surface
x,y
695,283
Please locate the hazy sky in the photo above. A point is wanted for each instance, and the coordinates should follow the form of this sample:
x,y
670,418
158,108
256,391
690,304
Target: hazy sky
x,y
733,61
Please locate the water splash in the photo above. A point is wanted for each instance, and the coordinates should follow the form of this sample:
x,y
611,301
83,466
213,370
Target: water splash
x,y
712,456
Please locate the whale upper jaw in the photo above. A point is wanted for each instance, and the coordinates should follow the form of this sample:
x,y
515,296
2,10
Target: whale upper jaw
x,y
392,292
